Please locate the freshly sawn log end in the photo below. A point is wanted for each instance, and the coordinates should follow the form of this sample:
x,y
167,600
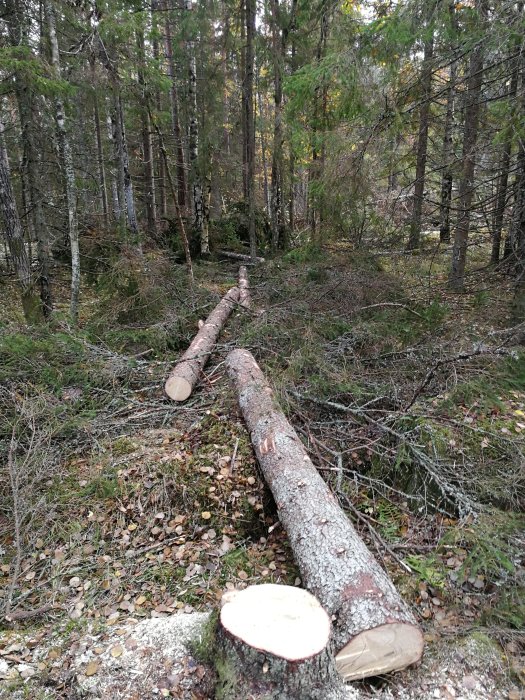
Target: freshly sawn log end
x,y
178,388
380,650
285,621
273,643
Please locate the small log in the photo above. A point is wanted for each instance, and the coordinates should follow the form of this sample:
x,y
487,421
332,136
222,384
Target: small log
x,y
247,259
245,298
184,376
274,643
374,630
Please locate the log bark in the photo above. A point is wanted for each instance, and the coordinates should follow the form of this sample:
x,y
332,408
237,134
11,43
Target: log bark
x,y
273,643
374,630
245,298
181,381
246,259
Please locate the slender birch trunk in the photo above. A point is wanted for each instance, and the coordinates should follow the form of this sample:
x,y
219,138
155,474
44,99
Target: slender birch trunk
x,y
67,159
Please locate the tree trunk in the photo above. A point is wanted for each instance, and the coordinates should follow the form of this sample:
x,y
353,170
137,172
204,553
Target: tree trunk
x,y
273,643
518,223
18,34
470,136
318,126
374,630
501,196
147,146
67,159
181,381
447,177
100,149
117,183
414,239
160,183
15,239
250,125
197,194
180,220
277,216
131,212
174,107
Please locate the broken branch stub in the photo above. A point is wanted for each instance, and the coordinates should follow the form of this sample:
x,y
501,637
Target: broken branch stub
x,y
183,378
374,630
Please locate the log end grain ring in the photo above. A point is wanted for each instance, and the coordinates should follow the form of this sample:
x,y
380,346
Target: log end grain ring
x,y
284,621
178,388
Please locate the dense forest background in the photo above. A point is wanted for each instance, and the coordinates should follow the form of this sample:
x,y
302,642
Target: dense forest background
x,y
366,161
143,124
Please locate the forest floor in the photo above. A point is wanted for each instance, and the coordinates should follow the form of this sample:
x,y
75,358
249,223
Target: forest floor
x,y
118,507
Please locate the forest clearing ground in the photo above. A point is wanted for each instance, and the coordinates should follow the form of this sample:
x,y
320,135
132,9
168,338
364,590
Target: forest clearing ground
x,y
145,514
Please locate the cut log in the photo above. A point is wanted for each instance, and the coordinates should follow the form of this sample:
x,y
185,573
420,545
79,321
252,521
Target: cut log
x,y
245,298
183,378
274,643
247,259
374,630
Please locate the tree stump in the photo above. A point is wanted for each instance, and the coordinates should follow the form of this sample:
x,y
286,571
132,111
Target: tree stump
x,y
183,378
274,644
374,630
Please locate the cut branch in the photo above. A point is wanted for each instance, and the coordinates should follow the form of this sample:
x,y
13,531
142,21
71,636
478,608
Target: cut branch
x,y
374,630
245,299
181,381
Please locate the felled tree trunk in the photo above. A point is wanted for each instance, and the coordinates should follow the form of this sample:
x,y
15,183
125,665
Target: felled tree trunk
x,y
181,381
273,643
374,630
245,298
239,256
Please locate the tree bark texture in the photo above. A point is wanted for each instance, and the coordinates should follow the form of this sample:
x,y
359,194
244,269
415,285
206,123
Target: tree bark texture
x,y
174,109
178,211
147,145
447,177
277,215
181,381
374,630
250,124
247,259
501,196
197,194
67,160
273,643
245,298
414,239
15,239
100,161
470,136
